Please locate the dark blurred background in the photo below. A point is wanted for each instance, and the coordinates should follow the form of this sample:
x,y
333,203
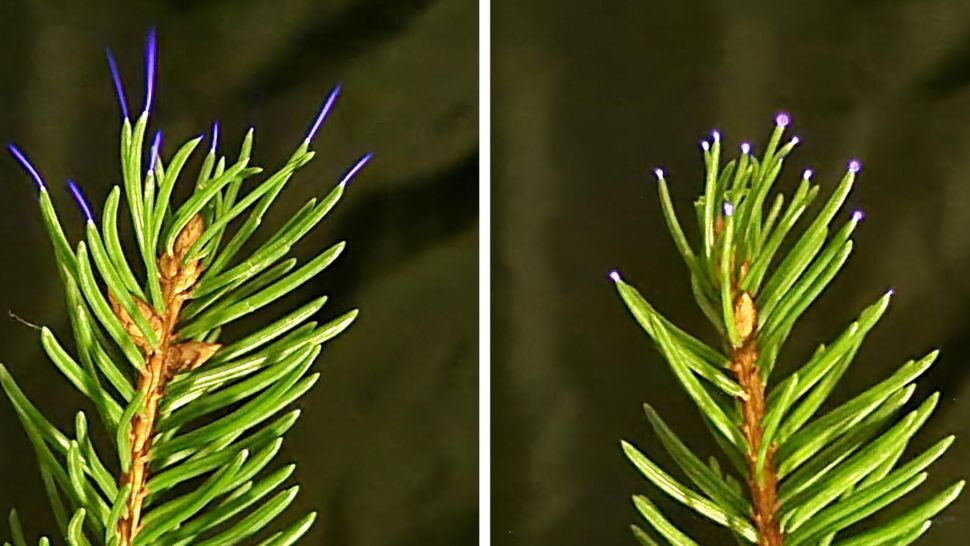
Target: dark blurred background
x,y
588,98
387,444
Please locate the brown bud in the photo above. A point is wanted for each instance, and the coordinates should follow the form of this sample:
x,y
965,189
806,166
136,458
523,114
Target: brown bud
x,y
193,354
745,315
117,308
189,235
173,360
179,277
153,319
168,266
131,327
186,277
745,268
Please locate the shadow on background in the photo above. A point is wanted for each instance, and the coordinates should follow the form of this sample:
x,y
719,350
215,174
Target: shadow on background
x,y
387,443
587,100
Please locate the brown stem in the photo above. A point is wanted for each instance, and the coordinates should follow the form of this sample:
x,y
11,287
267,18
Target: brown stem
x,y
744,363
153,381
161,364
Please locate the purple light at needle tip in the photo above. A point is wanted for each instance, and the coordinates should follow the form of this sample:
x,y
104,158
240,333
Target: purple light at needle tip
x,y
615,276
215,136
728,209
716,135
858,216
155,150
745,148
324,112
27,165
151,56
116,77
659,173
782,120
356,168
81,201
855,166
807,174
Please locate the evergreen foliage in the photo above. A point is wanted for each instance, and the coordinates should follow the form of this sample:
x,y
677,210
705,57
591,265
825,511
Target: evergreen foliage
x,y
791,474
196,421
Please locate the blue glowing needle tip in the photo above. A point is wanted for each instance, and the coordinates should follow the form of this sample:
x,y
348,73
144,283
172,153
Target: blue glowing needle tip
x,y
215,137
156,149
356,168
324,111
28,166
116,77
151,58
81,201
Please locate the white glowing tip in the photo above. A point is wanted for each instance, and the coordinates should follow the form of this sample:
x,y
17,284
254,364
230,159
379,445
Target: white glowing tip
x,y
891,292
782,120
728,209
745,148
857,216
716,135
855,166
795,140
705,145
615,276
659,173
807,174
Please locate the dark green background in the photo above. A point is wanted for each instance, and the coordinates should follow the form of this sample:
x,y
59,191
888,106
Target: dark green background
x,y
387,444
588,98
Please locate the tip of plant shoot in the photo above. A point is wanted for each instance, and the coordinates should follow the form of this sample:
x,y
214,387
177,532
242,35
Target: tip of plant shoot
x,y
116,77
151,58
659,173
795,140
706,145
81,201
356,168
156,150
728,209
808,174
27,165
215,137
855,166
324,111
858,215
615,276
745,148
782,119
716,135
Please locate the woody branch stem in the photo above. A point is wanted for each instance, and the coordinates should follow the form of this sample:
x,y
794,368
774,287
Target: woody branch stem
x,y
172,356
763,483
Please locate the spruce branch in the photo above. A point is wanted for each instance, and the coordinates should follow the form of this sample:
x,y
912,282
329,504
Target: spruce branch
x,y
794,478
195,420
